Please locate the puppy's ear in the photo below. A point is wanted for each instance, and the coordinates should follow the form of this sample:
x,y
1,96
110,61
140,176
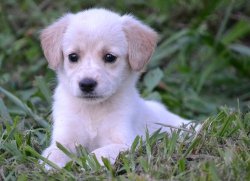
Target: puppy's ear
x,y
51,41
141,42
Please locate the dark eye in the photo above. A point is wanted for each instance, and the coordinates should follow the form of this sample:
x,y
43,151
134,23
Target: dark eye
x,y
109,58
73,57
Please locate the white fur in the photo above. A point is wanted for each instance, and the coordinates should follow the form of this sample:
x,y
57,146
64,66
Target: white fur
x,y
109,124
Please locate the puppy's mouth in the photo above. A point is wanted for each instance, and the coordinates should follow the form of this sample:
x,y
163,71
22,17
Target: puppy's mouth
x,y
91,97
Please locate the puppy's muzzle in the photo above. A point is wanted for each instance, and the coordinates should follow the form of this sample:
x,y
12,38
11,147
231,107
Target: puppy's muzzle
x,y
87,85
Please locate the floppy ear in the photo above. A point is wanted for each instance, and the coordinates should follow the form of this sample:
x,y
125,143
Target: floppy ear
x,y
51,40
141,42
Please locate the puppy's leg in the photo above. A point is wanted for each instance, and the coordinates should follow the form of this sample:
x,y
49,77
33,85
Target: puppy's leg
x,y
162,115
110,151
61,134
55,155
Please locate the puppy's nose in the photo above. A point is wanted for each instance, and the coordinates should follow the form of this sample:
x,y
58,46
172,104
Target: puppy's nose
x,y
87,85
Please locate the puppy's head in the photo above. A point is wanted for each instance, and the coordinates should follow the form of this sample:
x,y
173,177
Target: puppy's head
x,y
95,52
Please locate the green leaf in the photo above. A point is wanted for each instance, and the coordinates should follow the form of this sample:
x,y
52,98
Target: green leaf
x,y
213,171
4,112
144,164
182,165
46,161
154,96
24,107
135,144
225,20
194,143
108,165
208,8
41,83
12,148
169,46
226,125
239,30
152,79
65,150
241,49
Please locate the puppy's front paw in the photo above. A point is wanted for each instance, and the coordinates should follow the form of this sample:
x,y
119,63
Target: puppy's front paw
x,y
99,153
194,126
56,156
110,152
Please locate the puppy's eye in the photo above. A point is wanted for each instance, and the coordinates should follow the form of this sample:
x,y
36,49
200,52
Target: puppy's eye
x,y
73,57
109,58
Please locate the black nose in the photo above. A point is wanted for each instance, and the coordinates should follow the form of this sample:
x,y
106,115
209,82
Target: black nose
x,y
87,85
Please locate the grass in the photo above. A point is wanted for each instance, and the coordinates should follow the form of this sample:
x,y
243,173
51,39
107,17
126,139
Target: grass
x,y
200,70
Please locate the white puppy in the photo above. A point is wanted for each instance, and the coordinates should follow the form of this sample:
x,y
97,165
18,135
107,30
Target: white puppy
x,y
98,56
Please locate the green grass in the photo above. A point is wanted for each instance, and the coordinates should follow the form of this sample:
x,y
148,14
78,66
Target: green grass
x,y
200,70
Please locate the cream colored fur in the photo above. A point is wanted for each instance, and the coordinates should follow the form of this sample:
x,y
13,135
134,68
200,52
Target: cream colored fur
x,y
108,124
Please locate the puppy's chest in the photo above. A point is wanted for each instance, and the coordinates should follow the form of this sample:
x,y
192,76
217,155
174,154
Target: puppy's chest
x,y
94,127
90,125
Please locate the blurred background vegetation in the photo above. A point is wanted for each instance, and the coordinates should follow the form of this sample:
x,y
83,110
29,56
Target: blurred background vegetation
x,y
202,62
200,69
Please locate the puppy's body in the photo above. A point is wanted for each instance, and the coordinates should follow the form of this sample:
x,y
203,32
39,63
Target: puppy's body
x,y
96,103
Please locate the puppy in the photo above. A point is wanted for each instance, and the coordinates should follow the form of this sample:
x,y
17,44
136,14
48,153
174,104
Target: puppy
x,y
98,56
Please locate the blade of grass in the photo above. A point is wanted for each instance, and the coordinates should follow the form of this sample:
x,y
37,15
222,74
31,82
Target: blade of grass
x,y
148,146
226,124
168,47
68,153
108,165
41,83
135,144
48,162
197,138
241,49
24,107
224,21
213,173
171,144
174,127
209,8
9,131
239,30
5,113
12,148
